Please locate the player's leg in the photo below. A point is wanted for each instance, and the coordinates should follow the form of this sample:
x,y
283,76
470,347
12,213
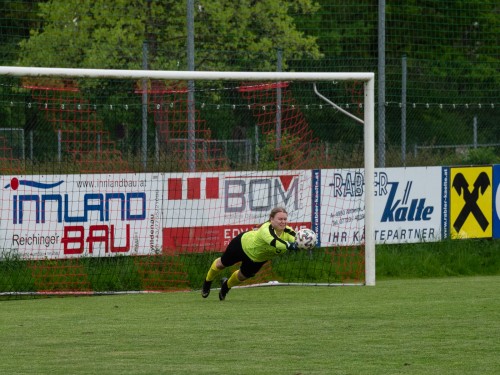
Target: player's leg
x,y
236,278
214,269
231,256
248,269
212,273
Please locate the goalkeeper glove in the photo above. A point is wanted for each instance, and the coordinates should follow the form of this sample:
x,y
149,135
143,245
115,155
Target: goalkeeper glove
x,y
293,246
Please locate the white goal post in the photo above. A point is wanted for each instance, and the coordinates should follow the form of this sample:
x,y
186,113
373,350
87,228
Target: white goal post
x,y
368,80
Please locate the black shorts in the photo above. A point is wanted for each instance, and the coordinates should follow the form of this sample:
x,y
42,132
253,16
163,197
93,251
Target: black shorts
x,y
234,253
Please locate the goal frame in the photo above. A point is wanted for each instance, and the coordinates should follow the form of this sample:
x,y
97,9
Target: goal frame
x,y
368,79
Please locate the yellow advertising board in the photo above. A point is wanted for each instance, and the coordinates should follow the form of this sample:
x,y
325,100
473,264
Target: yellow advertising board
x,y
471,202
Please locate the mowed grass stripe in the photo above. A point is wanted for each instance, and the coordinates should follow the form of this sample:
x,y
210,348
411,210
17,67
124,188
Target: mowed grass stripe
x,y
417,326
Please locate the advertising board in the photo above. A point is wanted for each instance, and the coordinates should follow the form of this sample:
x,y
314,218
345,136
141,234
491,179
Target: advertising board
x,y
64,216
470,202
204,211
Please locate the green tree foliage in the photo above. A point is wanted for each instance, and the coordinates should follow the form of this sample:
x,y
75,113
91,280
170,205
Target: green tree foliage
x,y
287,156
14,18
454,42
111,34
452,50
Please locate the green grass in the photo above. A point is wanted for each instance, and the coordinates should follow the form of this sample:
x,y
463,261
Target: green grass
x,y
438,259
412,326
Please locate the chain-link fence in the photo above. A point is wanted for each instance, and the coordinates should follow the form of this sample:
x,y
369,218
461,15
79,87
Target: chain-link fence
x,y
437,66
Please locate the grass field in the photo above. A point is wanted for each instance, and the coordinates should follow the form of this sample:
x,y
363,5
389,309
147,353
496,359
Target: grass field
x,y
413,326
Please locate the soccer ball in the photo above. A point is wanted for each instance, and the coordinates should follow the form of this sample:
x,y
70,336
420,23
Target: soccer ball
x,y
306,238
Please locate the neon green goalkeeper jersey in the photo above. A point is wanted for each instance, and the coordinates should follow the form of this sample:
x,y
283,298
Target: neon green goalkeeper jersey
x,y
264,243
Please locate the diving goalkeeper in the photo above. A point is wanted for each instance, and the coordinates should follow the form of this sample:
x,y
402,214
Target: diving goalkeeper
x,y
253,249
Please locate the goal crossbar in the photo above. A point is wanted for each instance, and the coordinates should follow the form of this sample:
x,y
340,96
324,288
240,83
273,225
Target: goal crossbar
x,y
183,75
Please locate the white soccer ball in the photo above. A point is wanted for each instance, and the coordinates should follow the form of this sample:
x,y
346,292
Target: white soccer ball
x,y
306,238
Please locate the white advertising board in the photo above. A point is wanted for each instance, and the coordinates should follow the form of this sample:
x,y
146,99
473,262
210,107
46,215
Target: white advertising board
x,y
64,216
342,207
407,206
204,211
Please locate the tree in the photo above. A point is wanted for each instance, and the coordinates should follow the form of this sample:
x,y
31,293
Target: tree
x,y
18,16
111,34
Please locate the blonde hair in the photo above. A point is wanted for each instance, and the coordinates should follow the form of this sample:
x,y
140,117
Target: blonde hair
x,y
276,210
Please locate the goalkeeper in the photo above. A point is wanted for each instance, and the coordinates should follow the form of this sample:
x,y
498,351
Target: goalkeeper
x,y
253,249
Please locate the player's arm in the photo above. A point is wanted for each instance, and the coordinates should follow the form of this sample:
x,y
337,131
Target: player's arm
x,y
290,232
290,238
269,235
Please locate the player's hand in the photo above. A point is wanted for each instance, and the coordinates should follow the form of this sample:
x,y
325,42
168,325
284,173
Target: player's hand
x,y
293,246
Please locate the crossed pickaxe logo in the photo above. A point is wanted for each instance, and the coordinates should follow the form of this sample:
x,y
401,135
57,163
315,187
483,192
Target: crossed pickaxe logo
x,y
470,197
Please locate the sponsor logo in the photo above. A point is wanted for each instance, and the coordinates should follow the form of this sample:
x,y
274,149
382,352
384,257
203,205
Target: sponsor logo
x,y
192,188
400,208
407,218
61,208
405,208
240,193
348,185
92,202
470,206
445,202
15,183
260,193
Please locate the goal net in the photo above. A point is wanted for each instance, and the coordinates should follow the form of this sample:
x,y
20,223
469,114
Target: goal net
x,y
137,180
